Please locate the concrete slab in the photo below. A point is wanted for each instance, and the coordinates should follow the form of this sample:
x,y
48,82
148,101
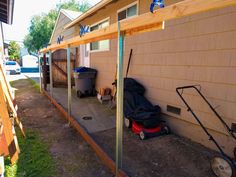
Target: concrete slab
x,y
103,118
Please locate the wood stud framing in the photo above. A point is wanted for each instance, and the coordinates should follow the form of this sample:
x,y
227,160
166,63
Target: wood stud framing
x,y
8,137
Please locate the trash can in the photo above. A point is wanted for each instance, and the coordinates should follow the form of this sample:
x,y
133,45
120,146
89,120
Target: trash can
x,y
46,74
85,81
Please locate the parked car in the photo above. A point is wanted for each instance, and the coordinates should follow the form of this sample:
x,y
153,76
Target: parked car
x,y
12,67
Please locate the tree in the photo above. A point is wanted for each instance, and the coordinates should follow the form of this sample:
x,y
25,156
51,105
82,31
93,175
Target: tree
x,y
81,6
40,31
41,26
14,51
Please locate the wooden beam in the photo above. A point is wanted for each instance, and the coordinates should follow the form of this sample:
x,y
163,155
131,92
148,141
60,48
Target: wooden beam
x,y
9,100
3,144
44,67
8,128
145,22
2,72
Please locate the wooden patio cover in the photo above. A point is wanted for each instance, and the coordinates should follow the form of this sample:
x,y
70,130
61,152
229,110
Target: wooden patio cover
x,y
145,22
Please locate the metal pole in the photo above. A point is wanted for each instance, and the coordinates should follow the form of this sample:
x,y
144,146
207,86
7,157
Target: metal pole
x,y
69,81
119,103
50,65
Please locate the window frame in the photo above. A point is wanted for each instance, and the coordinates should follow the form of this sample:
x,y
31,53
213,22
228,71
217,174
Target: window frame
x,y
126,8
94,24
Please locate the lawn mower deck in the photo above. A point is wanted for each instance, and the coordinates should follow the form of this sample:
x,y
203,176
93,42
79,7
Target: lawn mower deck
x,y
144,133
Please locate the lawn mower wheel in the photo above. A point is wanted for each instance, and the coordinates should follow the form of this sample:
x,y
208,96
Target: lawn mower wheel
x,y
222,167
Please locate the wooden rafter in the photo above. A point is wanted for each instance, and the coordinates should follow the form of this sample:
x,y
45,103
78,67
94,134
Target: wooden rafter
x,y
146,22
3,76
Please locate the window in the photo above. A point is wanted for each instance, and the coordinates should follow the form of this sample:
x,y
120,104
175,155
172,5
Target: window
x,y
100,45
127,12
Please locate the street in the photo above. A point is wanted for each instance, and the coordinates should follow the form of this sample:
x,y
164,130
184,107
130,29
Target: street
x,y
34,76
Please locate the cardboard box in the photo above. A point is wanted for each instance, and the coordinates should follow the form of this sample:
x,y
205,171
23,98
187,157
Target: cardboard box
x,y
103,99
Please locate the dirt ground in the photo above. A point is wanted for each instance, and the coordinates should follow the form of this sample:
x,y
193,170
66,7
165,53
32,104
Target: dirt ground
x,y
73,156
165,156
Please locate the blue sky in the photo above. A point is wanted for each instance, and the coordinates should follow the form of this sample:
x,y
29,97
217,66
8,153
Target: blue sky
x,y
23,11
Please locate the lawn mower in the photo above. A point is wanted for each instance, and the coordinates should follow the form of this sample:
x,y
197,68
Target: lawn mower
x,y
222,165
141,116
144,133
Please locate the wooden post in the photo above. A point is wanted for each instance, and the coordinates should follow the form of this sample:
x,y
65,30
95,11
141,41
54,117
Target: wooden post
x,y
50,70
7,128
9,100
44,71
4,80
3,144
69,80
77,57
40,72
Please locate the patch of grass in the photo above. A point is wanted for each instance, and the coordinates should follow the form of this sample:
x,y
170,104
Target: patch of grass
x,y
35,159
35,84
12,83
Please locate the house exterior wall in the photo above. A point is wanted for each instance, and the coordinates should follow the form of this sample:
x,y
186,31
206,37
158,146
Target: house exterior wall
x,y
29,61
59,30
67,33
107,11
198,49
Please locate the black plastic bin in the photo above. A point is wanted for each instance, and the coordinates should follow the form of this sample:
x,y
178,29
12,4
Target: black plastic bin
x,y
85,81
46,74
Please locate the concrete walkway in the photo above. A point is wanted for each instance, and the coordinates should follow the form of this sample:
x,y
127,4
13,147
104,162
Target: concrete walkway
x,y
34,76
164,156
102,118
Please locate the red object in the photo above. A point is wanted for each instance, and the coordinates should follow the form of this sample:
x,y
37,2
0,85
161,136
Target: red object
x,y
137,128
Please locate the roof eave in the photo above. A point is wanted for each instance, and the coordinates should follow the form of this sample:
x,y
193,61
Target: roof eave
x,y
88,12
10,11
62,11
68,15
54,28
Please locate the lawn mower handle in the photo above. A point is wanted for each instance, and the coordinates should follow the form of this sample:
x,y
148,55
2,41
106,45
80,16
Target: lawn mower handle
x,y
211,138
229,130
188,86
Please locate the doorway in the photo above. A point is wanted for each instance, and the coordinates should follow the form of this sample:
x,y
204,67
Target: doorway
x,y
84,55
